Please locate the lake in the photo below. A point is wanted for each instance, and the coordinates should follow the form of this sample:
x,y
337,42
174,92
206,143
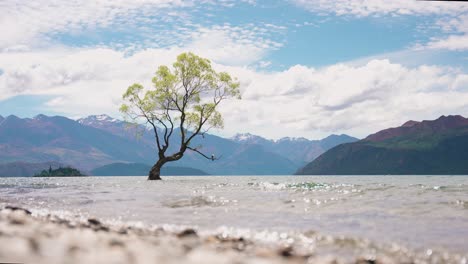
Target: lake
x,y
420,212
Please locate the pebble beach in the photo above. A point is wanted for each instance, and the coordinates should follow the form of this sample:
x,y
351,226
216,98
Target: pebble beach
x,y
30,238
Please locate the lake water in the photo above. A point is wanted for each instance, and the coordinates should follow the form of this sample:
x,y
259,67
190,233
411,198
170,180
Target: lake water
x,y
421,212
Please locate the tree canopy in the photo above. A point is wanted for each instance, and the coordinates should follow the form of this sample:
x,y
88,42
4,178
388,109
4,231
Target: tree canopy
x,y
185,96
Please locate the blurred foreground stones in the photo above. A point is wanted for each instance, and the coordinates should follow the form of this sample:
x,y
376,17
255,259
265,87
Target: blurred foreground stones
x,y
25,238
28,239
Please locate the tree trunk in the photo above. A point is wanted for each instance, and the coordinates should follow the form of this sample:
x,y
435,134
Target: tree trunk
x,y
155,171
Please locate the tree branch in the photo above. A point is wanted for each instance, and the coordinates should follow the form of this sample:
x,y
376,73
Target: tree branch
x,y
149,120
201,124
213,158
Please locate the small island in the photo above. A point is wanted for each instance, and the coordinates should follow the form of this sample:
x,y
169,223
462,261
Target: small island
x,y
60,172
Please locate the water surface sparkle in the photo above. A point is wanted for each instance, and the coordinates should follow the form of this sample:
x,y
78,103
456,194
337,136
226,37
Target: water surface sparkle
x,y
422,212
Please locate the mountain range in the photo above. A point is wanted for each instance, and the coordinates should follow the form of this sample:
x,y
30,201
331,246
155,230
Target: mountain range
x,y
43,139
429,147
100,140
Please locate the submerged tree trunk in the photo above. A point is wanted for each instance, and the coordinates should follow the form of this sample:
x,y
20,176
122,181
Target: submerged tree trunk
x,y
155,171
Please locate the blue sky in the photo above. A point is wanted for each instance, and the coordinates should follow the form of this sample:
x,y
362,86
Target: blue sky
x,y
307,67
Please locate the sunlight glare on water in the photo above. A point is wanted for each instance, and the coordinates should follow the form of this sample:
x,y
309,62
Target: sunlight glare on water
x,y
419,211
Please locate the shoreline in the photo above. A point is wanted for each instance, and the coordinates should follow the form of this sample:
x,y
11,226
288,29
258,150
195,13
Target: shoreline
x,y
28,237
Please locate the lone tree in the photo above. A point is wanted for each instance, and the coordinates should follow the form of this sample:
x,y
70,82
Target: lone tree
x,y
186,96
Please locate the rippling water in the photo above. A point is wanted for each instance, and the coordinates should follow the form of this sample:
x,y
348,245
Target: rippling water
x,y
421,212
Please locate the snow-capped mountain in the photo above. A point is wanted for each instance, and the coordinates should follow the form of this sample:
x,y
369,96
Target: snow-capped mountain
x,y
247,138
109,124
98,119
243,137
294,139
297,149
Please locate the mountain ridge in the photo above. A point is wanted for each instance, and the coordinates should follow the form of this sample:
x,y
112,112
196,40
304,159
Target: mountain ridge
x,y
441,124
61,139
98,140
428,147
300,149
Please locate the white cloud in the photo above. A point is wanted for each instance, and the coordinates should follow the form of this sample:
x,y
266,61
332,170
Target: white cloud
x,y
32,71
140,25
98,76
87,80
234,45
363,8
453,42
457,40
343,98
300,101
452,17
26,22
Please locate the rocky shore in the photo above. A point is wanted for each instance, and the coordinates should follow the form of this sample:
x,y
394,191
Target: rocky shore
x,y
31,238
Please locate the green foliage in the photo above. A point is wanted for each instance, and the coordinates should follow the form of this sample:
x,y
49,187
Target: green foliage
x,y
186,95
60,172
192,88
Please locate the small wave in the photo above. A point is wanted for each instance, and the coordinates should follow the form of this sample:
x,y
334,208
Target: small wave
x,y
7,186
85,202
289,186
380,187
29,185
461,203
43,185
451,188
267,186
443,188
307,185
198,201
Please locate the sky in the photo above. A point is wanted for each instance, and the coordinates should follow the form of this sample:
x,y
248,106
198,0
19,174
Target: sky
x,y
307,68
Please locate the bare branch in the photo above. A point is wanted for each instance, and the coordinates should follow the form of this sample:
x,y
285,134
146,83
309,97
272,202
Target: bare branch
x,y
213,158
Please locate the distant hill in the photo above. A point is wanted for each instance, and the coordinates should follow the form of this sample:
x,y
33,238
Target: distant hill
x,y
26,169
139,169
428,147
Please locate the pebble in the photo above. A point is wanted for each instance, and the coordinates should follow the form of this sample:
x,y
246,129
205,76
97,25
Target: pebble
x,y
188,233
14,208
